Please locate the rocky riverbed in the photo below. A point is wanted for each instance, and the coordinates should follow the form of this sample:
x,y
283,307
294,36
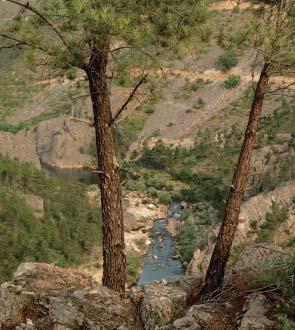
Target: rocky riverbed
x,y
162,261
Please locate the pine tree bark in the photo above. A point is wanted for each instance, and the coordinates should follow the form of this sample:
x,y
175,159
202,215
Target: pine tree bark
x,y
215,272
114,259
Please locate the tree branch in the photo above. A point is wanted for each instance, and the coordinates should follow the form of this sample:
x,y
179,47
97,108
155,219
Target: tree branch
x,y
12,46
34,10
142,80
139,50
281,88
22,42
82,121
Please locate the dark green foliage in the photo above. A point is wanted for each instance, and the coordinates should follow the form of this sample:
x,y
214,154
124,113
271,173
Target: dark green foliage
x,y
160,157
164,197
272,220
148,25
228,60
133,266
66,234
21,234
282,121
232,81
194,86
186,237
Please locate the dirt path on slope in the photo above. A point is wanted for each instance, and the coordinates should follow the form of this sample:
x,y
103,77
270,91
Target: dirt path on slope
x,y
229,5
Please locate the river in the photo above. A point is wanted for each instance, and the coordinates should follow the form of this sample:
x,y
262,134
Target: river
x,y
160,261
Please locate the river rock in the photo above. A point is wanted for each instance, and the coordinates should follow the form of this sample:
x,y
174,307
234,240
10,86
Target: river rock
x,y
183,205
172,227
152,207
130,220
138,215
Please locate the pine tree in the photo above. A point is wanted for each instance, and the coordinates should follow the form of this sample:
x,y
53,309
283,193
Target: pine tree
x,y
83,34
273,37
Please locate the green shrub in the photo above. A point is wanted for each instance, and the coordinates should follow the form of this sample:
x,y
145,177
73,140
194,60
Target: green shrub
x,y
285,323
228,60
200,103
153,192
272,220
164,197
186,241
72,74
232,81
160,157
68,231
136,186
194,85
133,266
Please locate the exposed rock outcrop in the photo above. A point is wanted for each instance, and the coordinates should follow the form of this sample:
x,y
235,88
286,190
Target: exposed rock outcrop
x,y
139,215
253,315
64,143
256,257
18,146
257,207
162,304
42,296
201,317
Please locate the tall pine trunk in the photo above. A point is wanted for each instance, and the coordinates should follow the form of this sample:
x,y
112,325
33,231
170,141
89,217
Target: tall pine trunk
x,y
215,272
114,259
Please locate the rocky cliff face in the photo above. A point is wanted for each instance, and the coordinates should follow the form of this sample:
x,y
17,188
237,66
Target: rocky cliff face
x,y
19,146
256,208
42,296
64,143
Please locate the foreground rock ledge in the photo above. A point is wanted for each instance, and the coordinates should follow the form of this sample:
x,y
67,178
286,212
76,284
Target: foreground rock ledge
x,y
42,296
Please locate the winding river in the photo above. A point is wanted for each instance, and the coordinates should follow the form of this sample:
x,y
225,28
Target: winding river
x,y
161,261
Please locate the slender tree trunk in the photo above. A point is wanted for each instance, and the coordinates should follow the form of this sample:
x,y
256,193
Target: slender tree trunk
x,y
114,259
215,272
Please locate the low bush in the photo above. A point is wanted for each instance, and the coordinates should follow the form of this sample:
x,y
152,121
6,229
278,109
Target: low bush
x,y
272,220
133,267
186,241
232,82
164,197
228,60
